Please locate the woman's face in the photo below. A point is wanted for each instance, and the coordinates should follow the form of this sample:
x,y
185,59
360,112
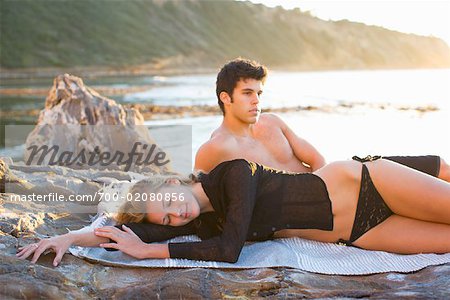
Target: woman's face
x,y
173,205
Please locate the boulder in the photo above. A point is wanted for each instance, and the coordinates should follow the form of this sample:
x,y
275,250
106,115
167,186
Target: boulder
x,y
81,129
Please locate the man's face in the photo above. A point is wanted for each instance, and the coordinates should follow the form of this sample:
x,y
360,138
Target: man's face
x,y
245,100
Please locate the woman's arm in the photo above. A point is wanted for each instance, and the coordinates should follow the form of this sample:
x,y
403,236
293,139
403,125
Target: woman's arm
x,y
60,244
85,239
239,185
131,245
128,242
150,233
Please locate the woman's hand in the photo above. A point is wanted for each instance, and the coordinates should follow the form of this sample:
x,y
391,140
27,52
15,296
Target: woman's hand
x,y
59,245
126,241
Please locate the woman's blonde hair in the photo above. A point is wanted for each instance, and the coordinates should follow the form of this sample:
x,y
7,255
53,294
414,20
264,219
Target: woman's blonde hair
x,y
133,210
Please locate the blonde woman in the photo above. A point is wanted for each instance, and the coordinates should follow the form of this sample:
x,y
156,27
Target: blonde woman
x,y
370,203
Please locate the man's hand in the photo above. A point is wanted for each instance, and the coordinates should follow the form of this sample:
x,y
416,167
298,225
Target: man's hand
x,y
303,150
126,241
59,245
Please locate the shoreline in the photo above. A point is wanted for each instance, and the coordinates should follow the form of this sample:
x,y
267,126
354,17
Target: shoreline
x,y
14,110
101,71
101,89
162,112
160,69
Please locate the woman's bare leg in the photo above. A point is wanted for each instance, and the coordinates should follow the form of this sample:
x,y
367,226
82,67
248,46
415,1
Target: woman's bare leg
x,y
407,236
444,171
410,193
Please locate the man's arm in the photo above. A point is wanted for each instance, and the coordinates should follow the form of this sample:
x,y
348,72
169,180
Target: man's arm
x,y
302,149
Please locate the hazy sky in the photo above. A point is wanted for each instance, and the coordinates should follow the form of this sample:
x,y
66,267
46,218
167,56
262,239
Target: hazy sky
x,y
420,17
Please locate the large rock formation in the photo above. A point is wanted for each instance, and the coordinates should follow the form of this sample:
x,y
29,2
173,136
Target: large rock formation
x,y
91,131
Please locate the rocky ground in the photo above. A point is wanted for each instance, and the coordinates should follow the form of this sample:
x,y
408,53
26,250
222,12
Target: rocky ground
x,y
79,279
22,223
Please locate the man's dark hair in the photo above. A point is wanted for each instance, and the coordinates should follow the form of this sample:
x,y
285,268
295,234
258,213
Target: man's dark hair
x,y
234,71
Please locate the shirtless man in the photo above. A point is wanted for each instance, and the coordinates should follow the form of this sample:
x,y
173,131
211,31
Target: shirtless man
x,y
263,138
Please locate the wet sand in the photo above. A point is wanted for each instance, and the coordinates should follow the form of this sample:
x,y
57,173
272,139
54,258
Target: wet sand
x,y
158,112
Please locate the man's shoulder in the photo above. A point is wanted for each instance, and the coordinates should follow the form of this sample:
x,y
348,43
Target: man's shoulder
x,y
270,117
271,120
219,139
217,149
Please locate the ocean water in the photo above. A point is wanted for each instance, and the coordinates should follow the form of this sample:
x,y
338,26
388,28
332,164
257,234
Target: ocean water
x,y
287,89
361,127
360,109
339,136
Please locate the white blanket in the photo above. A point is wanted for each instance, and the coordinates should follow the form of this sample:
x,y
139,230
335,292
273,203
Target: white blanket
x,y
298,253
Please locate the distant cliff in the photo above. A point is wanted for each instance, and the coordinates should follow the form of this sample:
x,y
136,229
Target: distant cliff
x,y
195,33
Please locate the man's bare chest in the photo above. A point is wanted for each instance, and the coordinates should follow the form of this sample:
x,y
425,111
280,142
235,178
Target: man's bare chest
x,y
270,149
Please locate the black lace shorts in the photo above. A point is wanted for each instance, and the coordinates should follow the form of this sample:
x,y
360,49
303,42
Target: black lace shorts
x,y
371,209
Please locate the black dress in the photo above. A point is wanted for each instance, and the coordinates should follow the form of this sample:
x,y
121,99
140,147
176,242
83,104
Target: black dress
x,y
250,202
